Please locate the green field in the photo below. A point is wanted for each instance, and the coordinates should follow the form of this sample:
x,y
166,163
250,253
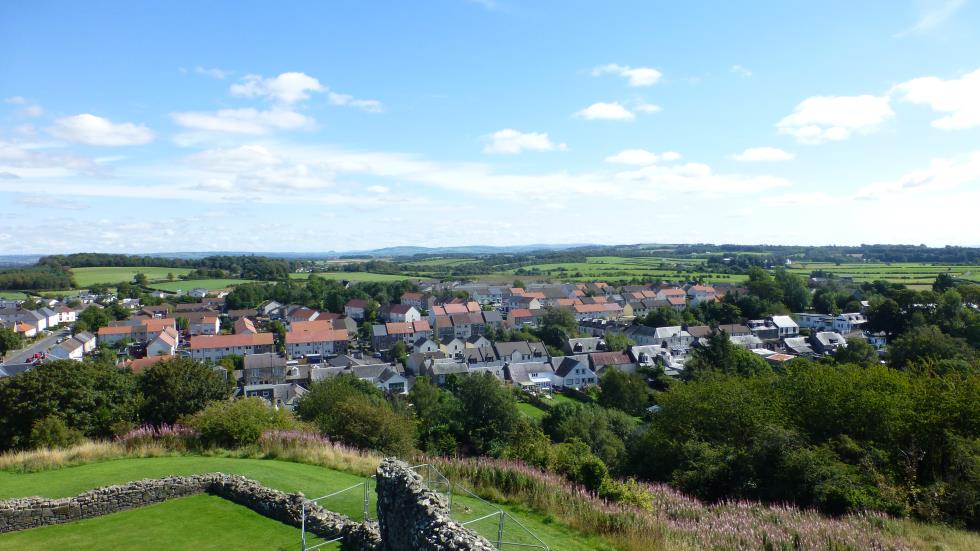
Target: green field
x,y
199,522
86,277
353,276
531,410
12,295
209,284
617,268
286,476
917,275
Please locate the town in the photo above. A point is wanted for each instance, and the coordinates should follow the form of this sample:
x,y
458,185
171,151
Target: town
x,y
390,345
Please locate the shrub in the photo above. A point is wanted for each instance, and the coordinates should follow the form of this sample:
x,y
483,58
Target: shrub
x,y
238,423
171,437
52,432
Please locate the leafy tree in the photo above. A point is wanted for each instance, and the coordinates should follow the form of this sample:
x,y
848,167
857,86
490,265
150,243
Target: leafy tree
x,y
721,355
519,284
528,443
575,460
87,397
170,276
140,279
398,352
278,331
661,317
487,413
93,318
436,417
355,412
857,351
178,387
623,391
943,282
762,285
618,342
926,343
606,431
885,314
9,340
795,294
182,323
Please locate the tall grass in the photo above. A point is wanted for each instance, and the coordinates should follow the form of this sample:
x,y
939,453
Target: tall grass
x,y
666,519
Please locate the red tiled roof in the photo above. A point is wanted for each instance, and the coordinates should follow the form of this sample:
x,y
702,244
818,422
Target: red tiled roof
x,y
202,342
119,330
421,325
315,325
610,358
319,335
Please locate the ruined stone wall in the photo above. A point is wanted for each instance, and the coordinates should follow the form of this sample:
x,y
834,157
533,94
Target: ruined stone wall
x,y
412,517
34,512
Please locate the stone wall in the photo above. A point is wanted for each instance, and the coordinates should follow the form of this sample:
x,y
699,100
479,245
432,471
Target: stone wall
x,y
412,517
33,512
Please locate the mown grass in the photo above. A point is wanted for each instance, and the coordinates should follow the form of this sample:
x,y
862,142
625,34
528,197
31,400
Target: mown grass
x,y
196,523
13,295
312,480
108,275
531,410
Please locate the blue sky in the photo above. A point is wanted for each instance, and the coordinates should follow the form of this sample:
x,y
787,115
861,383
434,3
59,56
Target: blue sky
x,y
139,127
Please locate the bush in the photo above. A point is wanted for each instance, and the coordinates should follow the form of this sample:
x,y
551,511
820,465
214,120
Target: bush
x,y
238,423
171,437
52,432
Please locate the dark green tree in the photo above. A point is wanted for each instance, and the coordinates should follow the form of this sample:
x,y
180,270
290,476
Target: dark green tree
x,y
178,387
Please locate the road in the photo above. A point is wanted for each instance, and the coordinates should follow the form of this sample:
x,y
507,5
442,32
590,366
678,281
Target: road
x,y
21,356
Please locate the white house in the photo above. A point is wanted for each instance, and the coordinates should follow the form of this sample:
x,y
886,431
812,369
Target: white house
x,y
785,326
69,349
87,340
403,313
697,294
209,325
356,308
573,371
207,347
327,342
164,344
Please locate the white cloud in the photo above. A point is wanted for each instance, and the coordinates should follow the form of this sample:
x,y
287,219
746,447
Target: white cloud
x,y
509,141
347,100
648,108
610,111
378,189
931,19
16,100
741,71
763,154
670,155
958,97
244,121
93,130
286,88
257,168
637,76
820,119
28,109
19,160
637,157
698,179
941,175
213,72
810,198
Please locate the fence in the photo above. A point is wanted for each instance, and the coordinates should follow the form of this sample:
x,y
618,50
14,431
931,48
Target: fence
x,y
465,507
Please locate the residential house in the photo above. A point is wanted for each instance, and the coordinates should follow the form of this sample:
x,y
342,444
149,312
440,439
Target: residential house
x,y
245,326
384,376
164,343
798,346
478,341
673,292
113,334
323,342
87,340
453,347
785,325
69,349
286,395
356,308
425,344
533,377
584,345
215,347
266,368
696,294
521,351
208,325
270,309
619,360
573,371
827,342
675,337
403,313
302,313
418,300
521,317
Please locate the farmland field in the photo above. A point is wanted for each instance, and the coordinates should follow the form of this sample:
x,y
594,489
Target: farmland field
x,y
12,295
209,284
353,276
616,267
85,277
917,275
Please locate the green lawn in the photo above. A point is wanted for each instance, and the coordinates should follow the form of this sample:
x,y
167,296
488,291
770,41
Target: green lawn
x,y
286,476
12,295
531,410
196,523
353,276
209,284
86,277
